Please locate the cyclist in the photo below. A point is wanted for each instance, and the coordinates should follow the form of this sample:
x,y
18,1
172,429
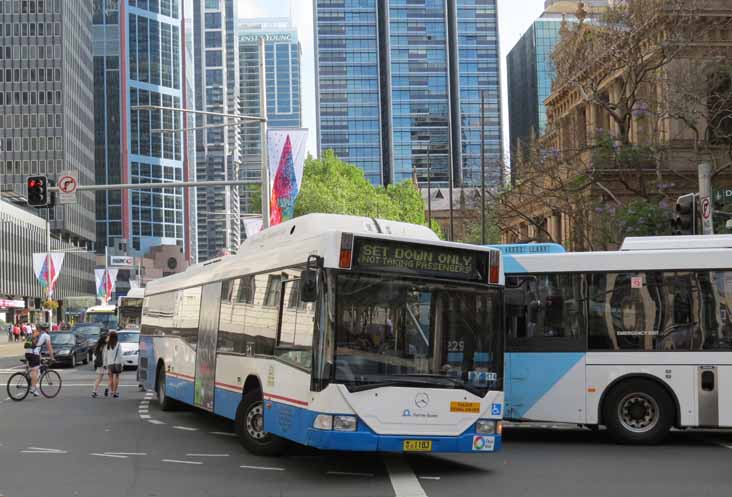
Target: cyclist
x,y
38,340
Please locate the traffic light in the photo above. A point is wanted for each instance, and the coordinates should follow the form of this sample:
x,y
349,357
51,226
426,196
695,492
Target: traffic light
x,y
38,194
685,220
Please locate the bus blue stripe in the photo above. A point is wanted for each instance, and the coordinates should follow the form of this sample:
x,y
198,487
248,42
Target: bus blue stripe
x,y
226,402
179,389
530,375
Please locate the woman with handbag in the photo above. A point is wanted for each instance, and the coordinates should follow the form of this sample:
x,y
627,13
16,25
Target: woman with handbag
x,y
113,354
100,365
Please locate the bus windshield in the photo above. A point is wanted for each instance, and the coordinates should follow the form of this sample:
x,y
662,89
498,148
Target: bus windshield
x,y
394,330
105,319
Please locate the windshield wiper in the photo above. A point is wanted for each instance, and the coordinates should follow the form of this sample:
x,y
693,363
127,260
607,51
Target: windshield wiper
x,y
459,383
387,383
419,380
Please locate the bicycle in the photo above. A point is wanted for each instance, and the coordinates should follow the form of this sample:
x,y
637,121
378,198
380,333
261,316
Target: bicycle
x,y
19,384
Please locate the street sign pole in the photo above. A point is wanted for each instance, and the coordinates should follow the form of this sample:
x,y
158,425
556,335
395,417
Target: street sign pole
x,y
705,197
263,134
147,186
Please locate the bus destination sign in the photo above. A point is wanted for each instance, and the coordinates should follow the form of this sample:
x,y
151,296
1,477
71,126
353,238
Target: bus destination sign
x,y
425,260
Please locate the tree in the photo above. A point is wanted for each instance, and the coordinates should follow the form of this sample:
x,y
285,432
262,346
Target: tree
x,y
641,96
332,186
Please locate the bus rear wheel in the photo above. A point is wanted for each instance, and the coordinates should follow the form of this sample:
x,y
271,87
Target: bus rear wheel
x,y
638,412
250,427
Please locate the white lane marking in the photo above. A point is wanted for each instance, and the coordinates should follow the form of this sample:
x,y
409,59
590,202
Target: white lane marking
x,y
108,455
223,433
262,468
207,455
403,480
184,428
726,446
49,451
348,473
176,461
144,416
143,411
156,421
127,453
428,477
43,452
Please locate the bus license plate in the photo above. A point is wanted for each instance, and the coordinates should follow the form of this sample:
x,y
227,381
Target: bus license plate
x,y
417,445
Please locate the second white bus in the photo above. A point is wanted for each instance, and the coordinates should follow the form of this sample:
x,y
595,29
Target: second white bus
x,y
638,340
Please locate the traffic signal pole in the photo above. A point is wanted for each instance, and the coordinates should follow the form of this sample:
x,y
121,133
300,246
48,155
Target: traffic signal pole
x,y
147,186
705,198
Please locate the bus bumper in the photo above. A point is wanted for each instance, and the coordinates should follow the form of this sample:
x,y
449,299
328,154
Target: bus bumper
x,y
367,441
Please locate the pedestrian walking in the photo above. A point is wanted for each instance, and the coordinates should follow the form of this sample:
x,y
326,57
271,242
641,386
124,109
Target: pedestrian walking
x,y
114,362
10,332
100,365
16,332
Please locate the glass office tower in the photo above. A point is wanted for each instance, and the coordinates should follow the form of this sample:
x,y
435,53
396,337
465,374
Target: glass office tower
x,y
142,57
531,71
284,106
216,48
399,85
46,123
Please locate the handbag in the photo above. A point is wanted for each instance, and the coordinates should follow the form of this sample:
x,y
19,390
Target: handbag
x,y
115,368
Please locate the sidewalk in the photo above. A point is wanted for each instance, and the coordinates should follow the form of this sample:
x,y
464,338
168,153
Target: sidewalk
x,y
11,349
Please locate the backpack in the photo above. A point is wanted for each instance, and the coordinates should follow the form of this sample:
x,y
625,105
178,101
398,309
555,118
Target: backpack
x,y
30,342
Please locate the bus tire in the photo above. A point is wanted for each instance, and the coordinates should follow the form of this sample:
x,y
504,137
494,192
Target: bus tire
x,y
638,412
165,402
250,427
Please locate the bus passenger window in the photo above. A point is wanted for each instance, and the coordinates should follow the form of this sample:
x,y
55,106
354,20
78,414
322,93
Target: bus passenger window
x,y
546,306
297,324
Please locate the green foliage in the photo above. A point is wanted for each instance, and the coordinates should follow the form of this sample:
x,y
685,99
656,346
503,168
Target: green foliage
x,y
639,217
254,193
492,229
332,186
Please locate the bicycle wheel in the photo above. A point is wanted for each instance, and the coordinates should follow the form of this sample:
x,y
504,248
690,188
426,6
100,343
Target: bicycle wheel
x,y
50,384
18,386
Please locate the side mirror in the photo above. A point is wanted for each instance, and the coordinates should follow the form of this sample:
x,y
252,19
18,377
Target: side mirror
x,y
308,285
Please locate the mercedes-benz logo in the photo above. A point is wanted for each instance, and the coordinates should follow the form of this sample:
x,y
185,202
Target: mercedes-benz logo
x,y
422,400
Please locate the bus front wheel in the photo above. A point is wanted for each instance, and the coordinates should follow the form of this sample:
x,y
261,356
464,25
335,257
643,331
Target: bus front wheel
x,y
250,427
165,402
638,411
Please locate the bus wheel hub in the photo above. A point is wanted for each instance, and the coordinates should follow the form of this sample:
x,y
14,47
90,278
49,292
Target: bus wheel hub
x,y
255,422
638,412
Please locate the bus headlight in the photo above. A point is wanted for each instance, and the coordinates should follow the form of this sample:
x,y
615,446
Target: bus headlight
x,y
344,423
485,427
323,422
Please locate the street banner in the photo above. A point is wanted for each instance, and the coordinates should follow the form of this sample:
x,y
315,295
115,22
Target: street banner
x,y
105,283
47,268
286,152
252,226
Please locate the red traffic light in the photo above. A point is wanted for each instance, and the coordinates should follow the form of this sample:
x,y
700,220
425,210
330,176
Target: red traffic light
x,y
38,195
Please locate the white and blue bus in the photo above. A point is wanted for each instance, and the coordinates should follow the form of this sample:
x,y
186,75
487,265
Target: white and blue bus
x,y
336,332
638,340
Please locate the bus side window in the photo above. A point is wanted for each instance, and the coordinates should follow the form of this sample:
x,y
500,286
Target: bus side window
x,y
716,314
546,312
516,294
297,323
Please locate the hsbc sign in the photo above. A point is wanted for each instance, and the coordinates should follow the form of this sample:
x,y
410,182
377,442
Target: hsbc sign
x,y
121,261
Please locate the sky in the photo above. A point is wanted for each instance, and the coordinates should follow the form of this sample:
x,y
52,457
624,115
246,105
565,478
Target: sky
x,y
515,17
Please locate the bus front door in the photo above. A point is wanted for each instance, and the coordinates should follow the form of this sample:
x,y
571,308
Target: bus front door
x,y
208,330
545,348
